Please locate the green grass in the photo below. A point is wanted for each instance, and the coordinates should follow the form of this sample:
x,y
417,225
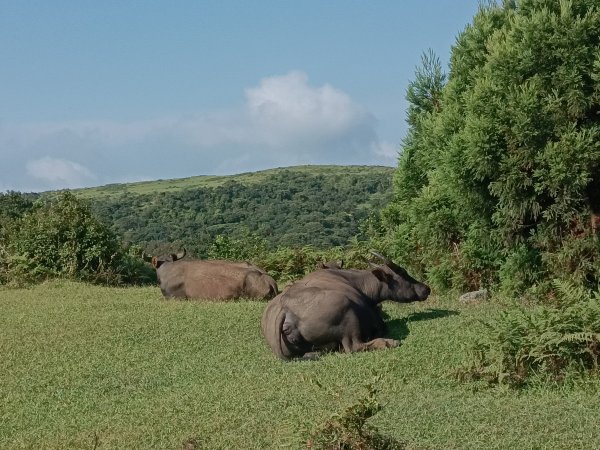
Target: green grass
x,y
80,363
205,181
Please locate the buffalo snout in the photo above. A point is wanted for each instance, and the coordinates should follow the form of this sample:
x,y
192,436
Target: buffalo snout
x,y
422,291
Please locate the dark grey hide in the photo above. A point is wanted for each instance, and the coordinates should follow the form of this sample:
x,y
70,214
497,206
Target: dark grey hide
x,y
333,309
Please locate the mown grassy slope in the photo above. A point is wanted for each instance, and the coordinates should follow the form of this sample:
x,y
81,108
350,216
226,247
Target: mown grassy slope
x,y
110,368
208,181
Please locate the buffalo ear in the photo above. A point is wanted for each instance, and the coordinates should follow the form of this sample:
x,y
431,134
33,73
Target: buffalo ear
x,y
155,262
381,274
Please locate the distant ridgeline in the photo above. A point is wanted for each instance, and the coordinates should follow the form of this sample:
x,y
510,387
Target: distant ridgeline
x,y
320,206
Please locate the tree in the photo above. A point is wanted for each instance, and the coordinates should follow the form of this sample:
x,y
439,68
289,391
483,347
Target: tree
x,y
499,178
61,237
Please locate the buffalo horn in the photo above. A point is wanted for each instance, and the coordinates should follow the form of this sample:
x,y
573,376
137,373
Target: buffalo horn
x,y
380,256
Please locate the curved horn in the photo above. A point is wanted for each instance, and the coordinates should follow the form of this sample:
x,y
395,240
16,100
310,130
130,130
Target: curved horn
x,y
380,256
178,256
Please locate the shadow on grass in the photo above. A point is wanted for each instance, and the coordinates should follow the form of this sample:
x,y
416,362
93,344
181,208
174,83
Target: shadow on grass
x,y
398,328
431,314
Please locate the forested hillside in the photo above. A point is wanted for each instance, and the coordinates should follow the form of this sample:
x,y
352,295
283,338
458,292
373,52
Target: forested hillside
x,y
321,206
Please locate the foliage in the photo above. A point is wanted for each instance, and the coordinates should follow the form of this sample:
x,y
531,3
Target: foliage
x,y
13,205
62,238
500,169
545,343
287,207
349,430
57,235
250,247
286,263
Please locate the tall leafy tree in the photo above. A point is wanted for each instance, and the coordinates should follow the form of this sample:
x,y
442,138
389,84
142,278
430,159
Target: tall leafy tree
x,y
498,180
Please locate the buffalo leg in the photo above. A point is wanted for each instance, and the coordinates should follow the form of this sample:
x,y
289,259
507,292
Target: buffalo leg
x,y
380,343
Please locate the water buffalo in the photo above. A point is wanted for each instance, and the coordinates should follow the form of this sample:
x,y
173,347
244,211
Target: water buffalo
x,y
333,309
211,279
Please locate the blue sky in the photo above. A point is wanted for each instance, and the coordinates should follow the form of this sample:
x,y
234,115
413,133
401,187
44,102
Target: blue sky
x,y
102,92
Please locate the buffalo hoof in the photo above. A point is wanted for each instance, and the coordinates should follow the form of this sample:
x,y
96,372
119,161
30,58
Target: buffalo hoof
x,y
384,343
381,343
391,343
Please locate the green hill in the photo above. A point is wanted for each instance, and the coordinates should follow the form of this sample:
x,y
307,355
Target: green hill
x,y
294,206
208,181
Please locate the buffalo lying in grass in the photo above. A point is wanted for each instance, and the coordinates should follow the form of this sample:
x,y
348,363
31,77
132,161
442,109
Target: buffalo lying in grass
x,y
211,279
333,309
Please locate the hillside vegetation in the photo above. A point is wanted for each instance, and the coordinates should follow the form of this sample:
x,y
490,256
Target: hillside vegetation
x,y
208,181
321,206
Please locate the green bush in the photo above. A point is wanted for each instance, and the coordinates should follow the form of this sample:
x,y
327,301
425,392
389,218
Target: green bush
x,y
349,430
285,263
546,343
247,248
499,173
61,238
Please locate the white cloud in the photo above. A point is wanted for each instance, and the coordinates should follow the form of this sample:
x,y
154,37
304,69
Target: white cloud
x,y
59,172
287,107
284,120
386,150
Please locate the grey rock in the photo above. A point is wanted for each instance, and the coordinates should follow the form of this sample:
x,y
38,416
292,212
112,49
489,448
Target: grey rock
x,y
474,296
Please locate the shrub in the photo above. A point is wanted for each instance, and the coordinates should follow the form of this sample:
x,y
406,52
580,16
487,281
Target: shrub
x,y
545,343
285,263
349,430
61,238
498,178
247,248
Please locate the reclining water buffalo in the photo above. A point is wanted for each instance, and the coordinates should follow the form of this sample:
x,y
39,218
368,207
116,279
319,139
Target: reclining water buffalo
x,y
333,309
211,279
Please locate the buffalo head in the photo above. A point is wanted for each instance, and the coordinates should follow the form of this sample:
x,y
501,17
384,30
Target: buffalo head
x,y
158,261
396,283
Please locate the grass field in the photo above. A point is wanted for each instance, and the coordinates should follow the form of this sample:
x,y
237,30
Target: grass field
x,y
206,181
92,367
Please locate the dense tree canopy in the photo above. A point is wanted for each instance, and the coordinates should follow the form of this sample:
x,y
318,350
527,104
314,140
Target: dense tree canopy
x,y
498,180
287,220
288,208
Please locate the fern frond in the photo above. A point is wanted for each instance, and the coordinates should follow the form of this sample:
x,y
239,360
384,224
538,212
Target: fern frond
x,y
570,293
